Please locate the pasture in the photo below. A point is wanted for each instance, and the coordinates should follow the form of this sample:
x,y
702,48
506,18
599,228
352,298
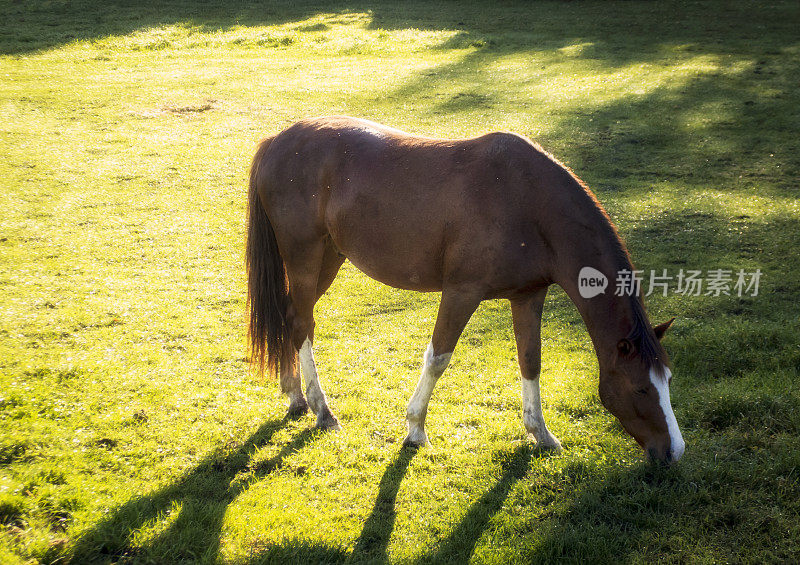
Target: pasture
x,y
132,431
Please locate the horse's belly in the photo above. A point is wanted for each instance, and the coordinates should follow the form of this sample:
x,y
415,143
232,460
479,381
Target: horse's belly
x,y
405,277
394,251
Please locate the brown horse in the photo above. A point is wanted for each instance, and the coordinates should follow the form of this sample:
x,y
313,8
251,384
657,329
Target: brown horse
x,y
489,217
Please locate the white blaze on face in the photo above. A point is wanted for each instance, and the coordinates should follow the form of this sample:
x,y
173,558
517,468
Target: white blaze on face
x,y
661,384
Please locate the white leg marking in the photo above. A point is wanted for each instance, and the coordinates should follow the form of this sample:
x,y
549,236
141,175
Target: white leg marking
x,y
432,369
295,395
532,415
661,385
291,387
297,402
314,394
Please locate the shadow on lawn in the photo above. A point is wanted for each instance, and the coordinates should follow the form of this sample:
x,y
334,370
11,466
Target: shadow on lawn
x,y
201,498
460,543
205,493
609,515
708,128
594,513
374,538
717,128
596,516
372,544
604,28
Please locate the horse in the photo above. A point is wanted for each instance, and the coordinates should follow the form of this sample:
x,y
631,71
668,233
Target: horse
x,y
488,217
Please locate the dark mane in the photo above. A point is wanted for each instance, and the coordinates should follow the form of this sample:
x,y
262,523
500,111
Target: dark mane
x,y
649,348
644,339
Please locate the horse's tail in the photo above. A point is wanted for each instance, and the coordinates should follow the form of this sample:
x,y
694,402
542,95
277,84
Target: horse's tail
x,y
267,294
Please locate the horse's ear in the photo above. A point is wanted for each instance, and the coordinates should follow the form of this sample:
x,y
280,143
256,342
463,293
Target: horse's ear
x,y
661,329
625,347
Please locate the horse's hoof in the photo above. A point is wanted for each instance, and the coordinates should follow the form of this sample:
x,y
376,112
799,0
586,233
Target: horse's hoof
x,y
328,422
297,409
550,444
416,439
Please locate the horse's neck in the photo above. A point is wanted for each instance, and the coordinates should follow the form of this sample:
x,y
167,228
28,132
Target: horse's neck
x,y
593,242
608,318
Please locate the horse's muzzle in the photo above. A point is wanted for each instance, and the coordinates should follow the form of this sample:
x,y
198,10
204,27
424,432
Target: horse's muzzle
x,y
665,455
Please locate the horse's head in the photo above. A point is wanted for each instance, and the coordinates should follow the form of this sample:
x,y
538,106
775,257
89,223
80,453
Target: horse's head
x,y
635,388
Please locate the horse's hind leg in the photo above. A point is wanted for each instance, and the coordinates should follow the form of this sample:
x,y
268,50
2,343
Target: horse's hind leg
x,y
314,393
527,316
293,388
455,311
332,261
309,277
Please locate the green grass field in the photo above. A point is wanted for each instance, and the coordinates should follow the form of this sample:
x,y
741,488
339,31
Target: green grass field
x,y
130,428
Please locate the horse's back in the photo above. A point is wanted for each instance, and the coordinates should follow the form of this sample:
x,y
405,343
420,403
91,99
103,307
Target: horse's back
x,y
410,211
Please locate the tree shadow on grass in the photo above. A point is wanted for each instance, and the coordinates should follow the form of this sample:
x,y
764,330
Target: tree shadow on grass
x,y
726,336
706,510
200,499
712,127
718,126
603,28
608,515
39,25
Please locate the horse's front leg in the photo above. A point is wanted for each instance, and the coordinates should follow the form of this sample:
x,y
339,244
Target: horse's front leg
x,y
527,316
455,311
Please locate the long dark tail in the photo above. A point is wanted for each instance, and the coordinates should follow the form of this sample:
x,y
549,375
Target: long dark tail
x,y
267,294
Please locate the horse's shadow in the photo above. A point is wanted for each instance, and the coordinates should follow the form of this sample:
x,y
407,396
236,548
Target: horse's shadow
x,y
460,543
619,497
193,508
373,542
378,527
199,498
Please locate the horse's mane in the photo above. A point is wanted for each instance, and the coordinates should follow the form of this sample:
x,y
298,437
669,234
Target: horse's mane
x,y
644,339
647,345
642,336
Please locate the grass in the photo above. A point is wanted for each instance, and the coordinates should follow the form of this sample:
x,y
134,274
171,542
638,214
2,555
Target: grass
x,y
130,428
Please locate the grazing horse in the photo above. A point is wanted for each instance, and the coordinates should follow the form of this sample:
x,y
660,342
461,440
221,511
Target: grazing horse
x,y
488,217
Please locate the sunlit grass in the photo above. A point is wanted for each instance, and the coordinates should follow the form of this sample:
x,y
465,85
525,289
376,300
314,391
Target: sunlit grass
x,y
131,429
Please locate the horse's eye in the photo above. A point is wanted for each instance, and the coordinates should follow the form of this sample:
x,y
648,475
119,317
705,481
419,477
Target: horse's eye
x,y
641,391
